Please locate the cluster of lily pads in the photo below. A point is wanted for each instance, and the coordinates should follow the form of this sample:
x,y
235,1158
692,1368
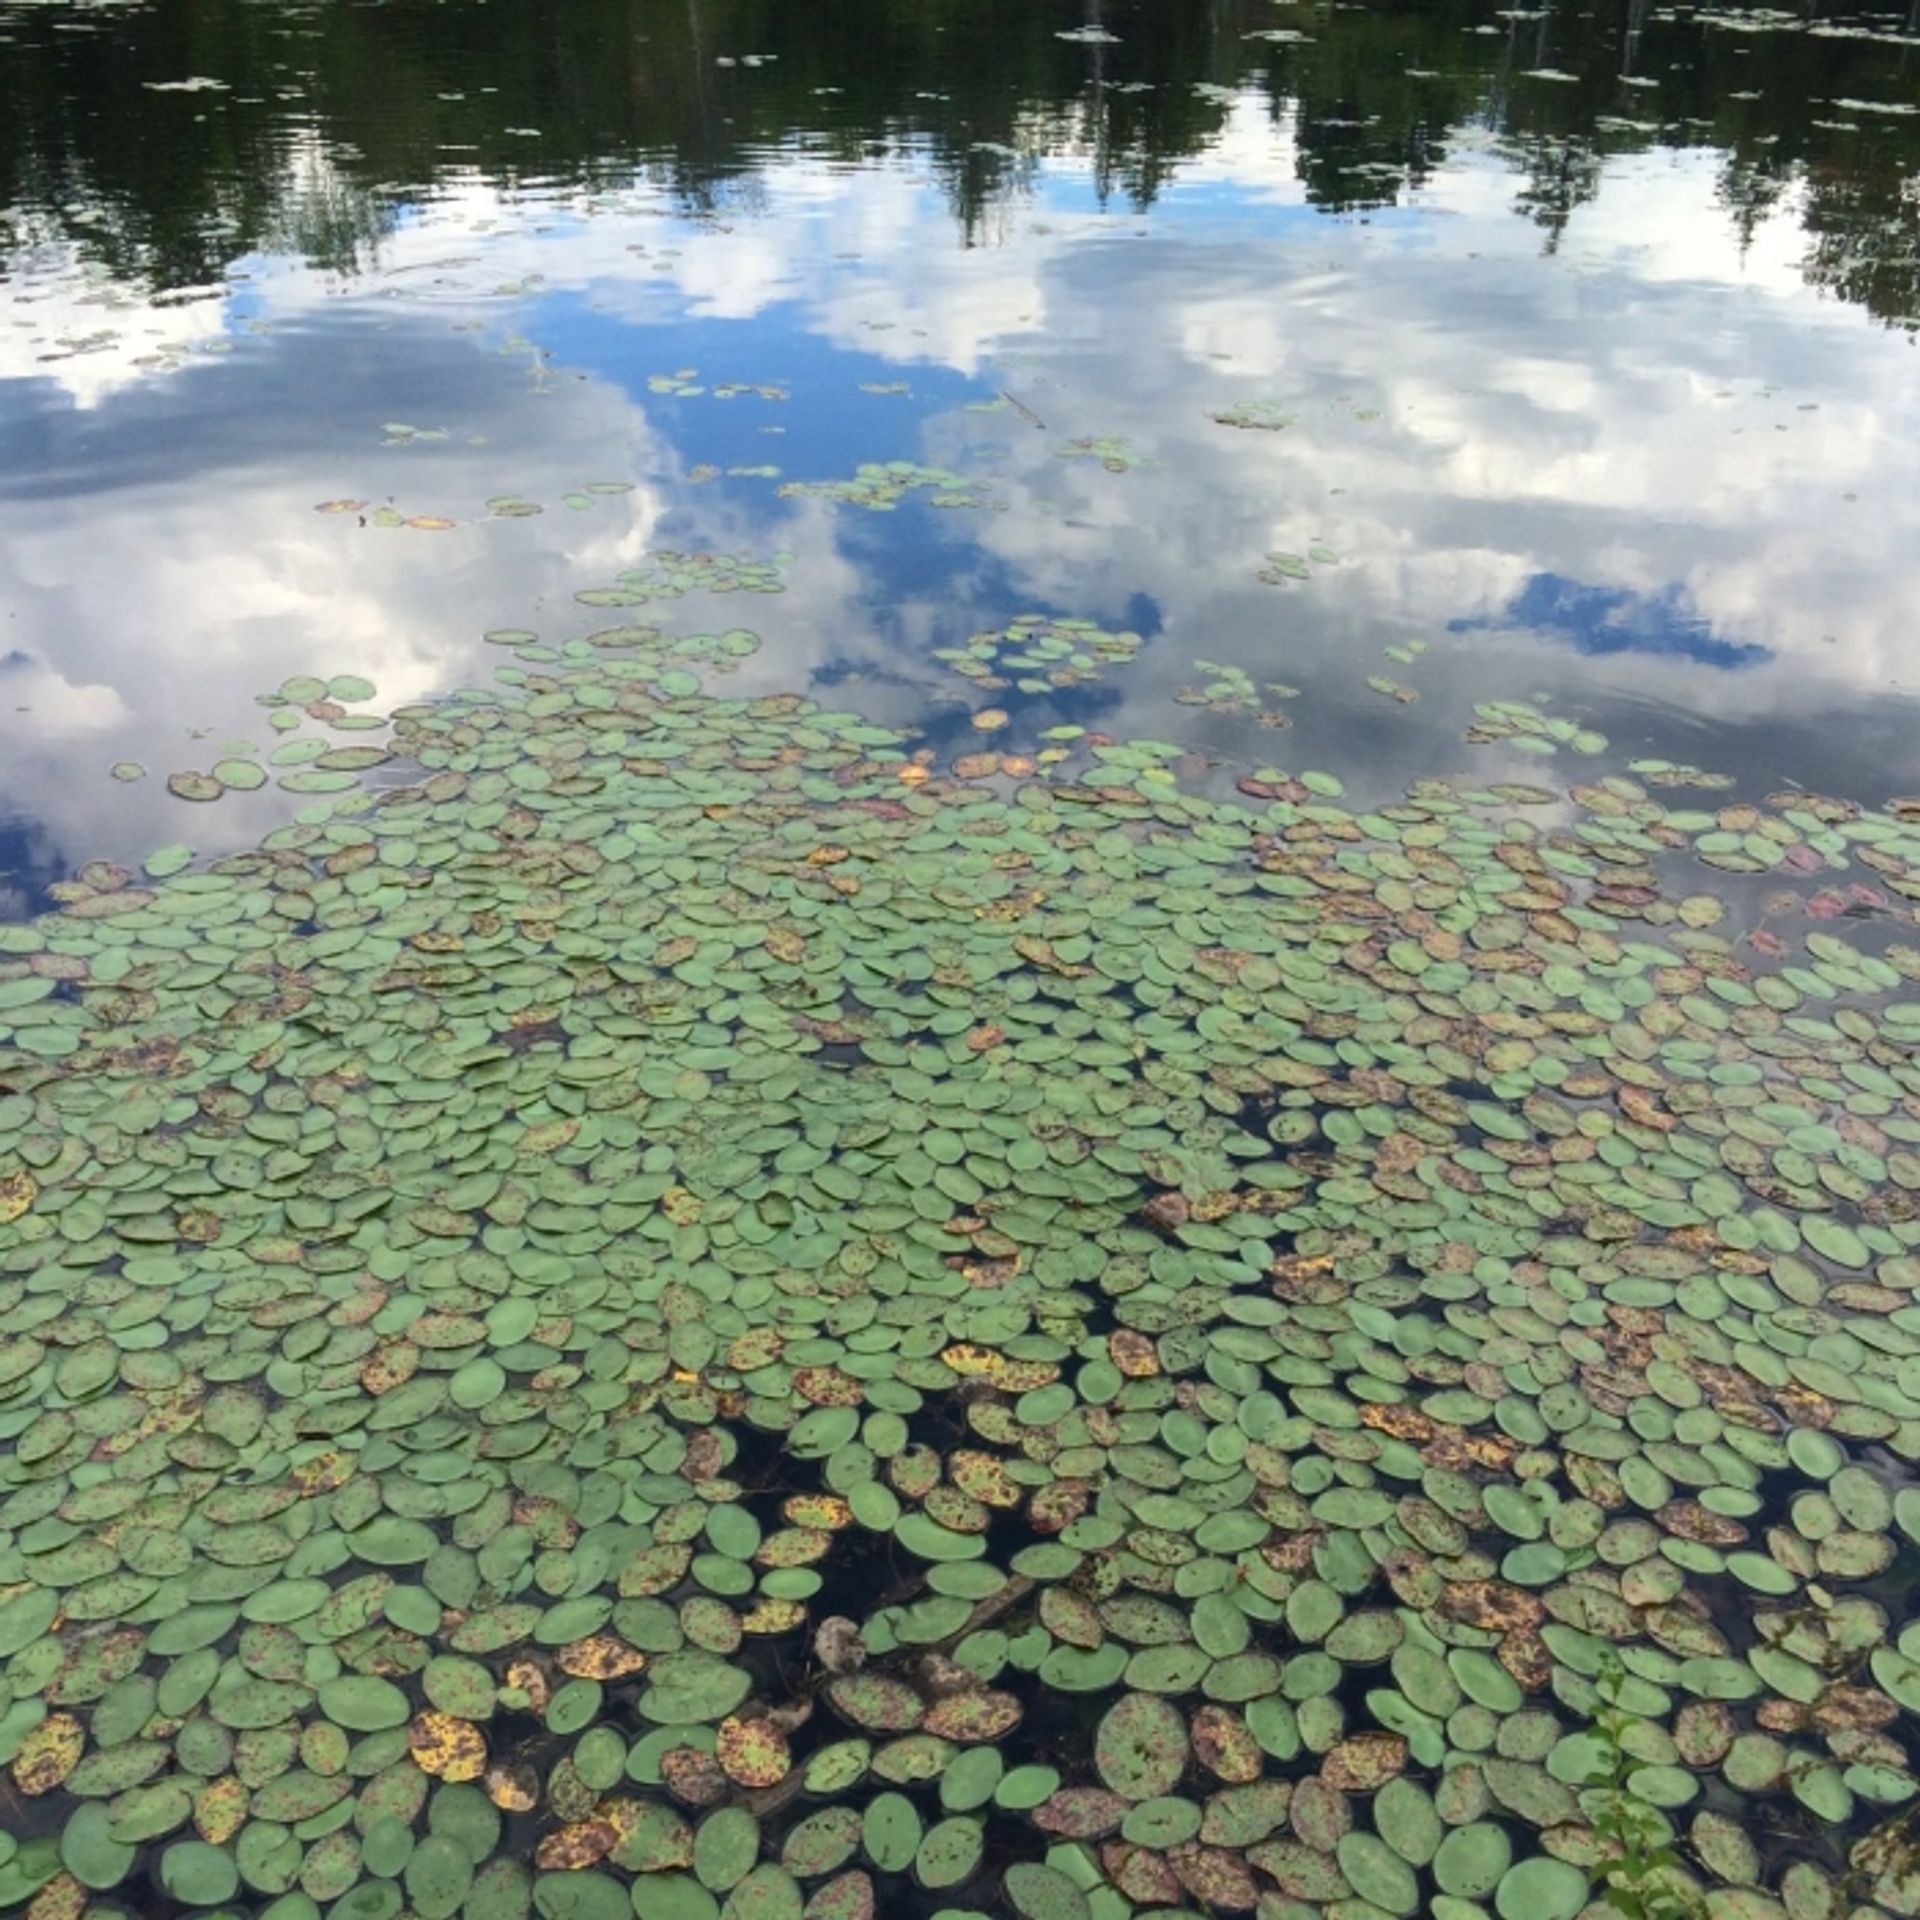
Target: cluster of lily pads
x,y
882,484
310,765
505,506
1392,689
1283,566
1229,688
388,518
678,1314
1522,726
669,573
684,384
1113,451
1677,773
1403,654
1038,653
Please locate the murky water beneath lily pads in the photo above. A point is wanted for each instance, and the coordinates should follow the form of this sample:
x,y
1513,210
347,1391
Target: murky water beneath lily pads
x,y
959,964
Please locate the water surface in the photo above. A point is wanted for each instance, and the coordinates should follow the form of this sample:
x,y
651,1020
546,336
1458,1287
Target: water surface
x,y
1592,333
1105,1100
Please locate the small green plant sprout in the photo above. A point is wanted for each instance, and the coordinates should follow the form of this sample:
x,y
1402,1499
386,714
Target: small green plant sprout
x,y
1644,1877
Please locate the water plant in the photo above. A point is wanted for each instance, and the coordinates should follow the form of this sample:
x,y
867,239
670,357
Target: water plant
x,y
1641,1870
1040,654
880,486
678,1311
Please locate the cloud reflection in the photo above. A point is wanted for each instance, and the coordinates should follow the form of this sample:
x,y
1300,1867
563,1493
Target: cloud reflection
x,y
1667,451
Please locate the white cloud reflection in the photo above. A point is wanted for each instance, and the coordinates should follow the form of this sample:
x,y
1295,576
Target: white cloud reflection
x,y
1653,412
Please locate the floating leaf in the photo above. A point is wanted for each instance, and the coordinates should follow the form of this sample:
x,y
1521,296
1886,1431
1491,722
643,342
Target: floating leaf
x,y
449,1749
753,1752
1140,1746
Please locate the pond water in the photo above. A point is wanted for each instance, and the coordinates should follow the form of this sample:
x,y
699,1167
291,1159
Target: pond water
x,y
1591,334
958,960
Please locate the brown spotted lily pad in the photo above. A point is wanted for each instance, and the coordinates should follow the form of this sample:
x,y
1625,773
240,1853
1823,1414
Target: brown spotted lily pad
x,y
446,1747
752,1752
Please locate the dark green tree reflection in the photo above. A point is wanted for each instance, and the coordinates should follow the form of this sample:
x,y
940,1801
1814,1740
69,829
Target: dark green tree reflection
x,y
330,119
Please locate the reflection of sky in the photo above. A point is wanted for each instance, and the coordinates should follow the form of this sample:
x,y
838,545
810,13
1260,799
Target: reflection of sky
x,y
1651,446
1606,620
825,413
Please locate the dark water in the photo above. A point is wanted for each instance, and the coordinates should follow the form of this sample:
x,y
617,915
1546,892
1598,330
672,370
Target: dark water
x,y
1593,331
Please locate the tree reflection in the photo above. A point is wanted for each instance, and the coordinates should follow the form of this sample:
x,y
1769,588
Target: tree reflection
x,y
331,119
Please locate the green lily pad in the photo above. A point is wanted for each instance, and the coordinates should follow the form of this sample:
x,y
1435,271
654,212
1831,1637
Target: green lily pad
x,y
1541,1889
